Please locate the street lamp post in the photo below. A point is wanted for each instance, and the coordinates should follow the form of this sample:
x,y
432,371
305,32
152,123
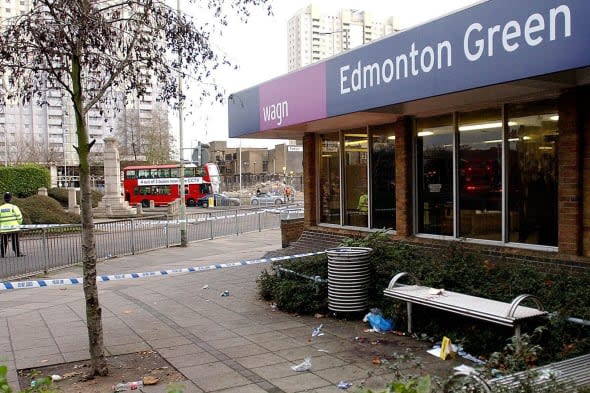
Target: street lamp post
x,y
183,238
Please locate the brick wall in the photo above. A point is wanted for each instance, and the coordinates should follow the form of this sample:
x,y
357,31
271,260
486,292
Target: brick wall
x,y
569,176
310,195
403,177
583,99
291,230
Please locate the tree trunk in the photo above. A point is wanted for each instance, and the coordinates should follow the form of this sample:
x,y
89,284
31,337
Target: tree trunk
x,y
93,310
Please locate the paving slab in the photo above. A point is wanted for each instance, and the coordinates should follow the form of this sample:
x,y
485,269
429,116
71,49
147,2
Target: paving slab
x,y
235,343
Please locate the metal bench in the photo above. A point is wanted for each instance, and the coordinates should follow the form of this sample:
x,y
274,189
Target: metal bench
x,y
507,314
572,373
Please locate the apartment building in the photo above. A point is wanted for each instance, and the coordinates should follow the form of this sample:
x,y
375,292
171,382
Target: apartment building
x,y
46,134
315,33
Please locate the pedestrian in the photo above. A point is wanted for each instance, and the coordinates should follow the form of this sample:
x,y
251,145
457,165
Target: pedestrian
x,y
10,219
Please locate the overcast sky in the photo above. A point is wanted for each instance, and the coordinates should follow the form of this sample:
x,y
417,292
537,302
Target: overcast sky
x,y
259,48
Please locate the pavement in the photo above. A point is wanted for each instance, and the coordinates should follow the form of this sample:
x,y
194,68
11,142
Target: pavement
x,y
235,343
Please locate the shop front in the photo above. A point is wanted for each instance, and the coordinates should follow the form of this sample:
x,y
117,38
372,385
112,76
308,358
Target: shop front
x,y
472,127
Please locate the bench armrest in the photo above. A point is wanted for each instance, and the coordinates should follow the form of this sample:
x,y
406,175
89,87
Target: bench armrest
x,y
519,299
400,275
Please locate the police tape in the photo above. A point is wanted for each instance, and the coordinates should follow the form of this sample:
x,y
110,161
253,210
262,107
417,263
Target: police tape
x,y
166,222
8,285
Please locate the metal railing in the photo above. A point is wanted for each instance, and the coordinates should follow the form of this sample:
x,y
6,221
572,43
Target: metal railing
x,y
48,247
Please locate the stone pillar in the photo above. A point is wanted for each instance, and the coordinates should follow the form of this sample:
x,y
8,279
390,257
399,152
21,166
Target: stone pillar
x,y
112,203
72,201
112,169
42,191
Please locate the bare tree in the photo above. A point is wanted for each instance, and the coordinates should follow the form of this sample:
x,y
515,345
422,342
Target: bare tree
x,y
156,141
94,50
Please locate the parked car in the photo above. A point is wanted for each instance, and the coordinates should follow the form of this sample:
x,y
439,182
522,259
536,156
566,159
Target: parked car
x,y
220,200
266,199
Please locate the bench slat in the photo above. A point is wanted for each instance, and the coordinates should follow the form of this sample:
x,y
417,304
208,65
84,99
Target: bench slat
x,y
575,370
477,307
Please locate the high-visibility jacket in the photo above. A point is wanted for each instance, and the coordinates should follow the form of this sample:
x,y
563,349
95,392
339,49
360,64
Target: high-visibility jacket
x,y
363,206
10,217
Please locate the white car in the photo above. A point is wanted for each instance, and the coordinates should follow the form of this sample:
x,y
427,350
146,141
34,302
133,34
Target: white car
x,y
266,199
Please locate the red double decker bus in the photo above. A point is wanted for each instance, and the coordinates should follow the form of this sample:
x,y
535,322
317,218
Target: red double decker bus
x,y
160,183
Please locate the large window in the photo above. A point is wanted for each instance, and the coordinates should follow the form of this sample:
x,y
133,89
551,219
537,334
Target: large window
x,y
329,183
435,182
356,199
492,176
480,174
532,184
383,177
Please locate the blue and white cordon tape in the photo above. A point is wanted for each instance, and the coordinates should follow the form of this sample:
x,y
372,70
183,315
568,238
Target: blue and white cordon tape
x,y
127,276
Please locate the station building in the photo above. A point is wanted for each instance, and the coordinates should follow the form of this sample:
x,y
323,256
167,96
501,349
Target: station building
x,y
474,127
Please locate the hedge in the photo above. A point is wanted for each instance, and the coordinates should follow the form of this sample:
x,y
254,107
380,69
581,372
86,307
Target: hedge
x,y
24,181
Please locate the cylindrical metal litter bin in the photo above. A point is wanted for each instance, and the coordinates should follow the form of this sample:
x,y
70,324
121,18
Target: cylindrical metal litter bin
x,y
348,278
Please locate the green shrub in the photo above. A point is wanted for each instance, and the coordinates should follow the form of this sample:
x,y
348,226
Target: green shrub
x,y
23,181
296,294
61,195
38,209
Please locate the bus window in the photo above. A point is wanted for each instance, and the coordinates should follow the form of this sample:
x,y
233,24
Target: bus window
x,y
189,172
143,174
131,174
164,173
205,188
174,172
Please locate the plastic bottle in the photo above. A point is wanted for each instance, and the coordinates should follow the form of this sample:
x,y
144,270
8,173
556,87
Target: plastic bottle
x,y
125,386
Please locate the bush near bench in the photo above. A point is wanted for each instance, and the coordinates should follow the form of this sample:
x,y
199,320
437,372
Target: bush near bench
x,y
565,295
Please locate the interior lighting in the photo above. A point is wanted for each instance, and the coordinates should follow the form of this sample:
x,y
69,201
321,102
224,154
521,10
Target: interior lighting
x,y
554,118
500,140
391,137
425,133
486,126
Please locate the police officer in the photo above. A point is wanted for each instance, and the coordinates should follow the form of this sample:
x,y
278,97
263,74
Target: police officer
x,y
10,218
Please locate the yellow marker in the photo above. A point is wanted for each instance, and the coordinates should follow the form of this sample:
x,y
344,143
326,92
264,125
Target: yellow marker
x,y
445,348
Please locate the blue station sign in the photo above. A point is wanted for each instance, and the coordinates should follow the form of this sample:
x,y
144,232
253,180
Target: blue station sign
x,y
493,42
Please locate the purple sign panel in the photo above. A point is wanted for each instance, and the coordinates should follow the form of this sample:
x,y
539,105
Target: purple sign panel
x,y
294,98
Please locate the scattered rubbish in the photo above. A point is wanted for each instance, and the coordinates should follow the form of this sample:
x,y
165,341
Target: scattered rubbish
x,y
125,386
317,331
323,350
377,322
205,286
56,377
344,385
469,357
225,293
361,339
33,382
435,291
273,307
304,366
465,369
150,380
318,316
71,374
377,360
